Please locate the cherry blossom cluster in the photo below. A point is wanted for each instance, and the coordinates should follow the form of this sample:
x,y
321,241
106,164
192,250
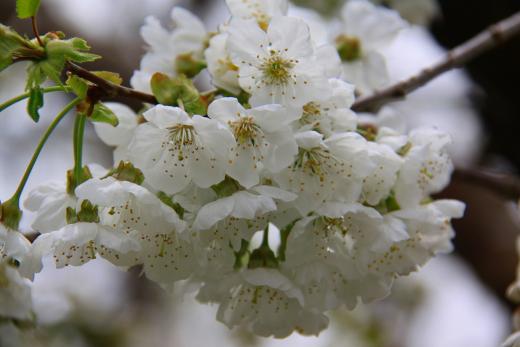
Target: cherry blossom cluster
x,y
279,203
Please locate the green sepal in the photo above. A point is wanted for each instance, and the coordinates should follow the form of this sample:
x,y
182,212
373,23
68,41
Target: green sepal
x,y
77,85
388,205
34,103
126,171
167,200
284,236
70,215
226,187
103,114
243,97
178,91
187,65
71,181
88,213
27,8
368,131
10,214
242,256
262,257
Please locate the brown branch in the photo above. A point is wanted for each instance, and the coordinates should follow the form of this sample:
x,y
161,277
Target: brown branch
x,y
494,36
505,185
110,89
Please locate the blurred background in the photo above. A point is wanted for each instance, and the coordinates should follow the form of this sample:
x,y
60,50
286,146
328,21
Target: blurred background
x,y
457,300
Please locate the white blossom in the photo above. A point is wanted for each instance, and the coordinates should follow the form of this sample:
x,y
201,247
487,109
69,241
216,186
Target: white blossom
x,y
260,10
120,135
278,66
332,114
263,137
173,149
366,29
224,74
264,301
164,47
327,170
241,214
50,202
427,166
15,294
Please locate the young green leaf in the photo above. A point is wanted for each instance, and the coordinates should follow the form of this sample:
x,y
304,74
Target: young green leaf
x,y
78,86
58,52
14,45
35,103
27,8
103,114
178,90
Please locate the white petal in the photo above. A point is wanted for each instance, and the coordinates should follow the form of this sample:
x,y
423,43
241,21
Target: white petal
x,y
291,34
122,133
275,193
250,206
166,116
212,213
225,110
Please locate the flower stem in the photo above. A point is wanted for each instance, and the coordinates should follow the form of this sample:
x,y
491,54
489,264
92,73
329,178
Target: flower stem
x,y
36,31
79,132
21,97
37,151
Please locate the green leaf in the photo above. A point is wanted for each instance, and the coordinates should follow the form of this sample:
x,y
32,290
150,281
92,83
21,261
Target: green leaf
x,y
57,53
102,114
35,103
74,49
13,45
112,77
178,91
78,85
27,8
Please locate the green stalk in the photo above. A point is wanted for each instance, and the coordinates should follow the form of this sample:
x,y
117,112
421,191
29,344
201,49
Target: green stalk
x,y
79,132
37,151
21,97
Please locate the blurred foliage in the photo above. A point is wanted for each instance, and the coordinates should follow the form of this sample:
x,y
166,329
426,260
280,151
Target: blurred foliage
x,y
325,7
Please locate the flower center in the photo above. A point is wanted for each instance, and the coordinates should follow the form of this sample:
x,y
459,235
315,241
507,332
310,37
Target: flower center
x,y
245,129
349,48
276,69
182,135
311,161
311,113
335,225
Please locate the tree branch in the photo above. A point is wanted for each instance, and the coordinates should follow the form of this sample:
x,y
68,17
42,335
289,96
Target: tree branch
x,y
108,87
505,185
494,36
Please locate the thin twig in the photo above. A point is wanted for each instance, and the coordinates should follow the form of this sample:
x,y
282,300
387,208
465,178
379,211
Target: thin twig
x,y
36,31
494,36
505,185
108,87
